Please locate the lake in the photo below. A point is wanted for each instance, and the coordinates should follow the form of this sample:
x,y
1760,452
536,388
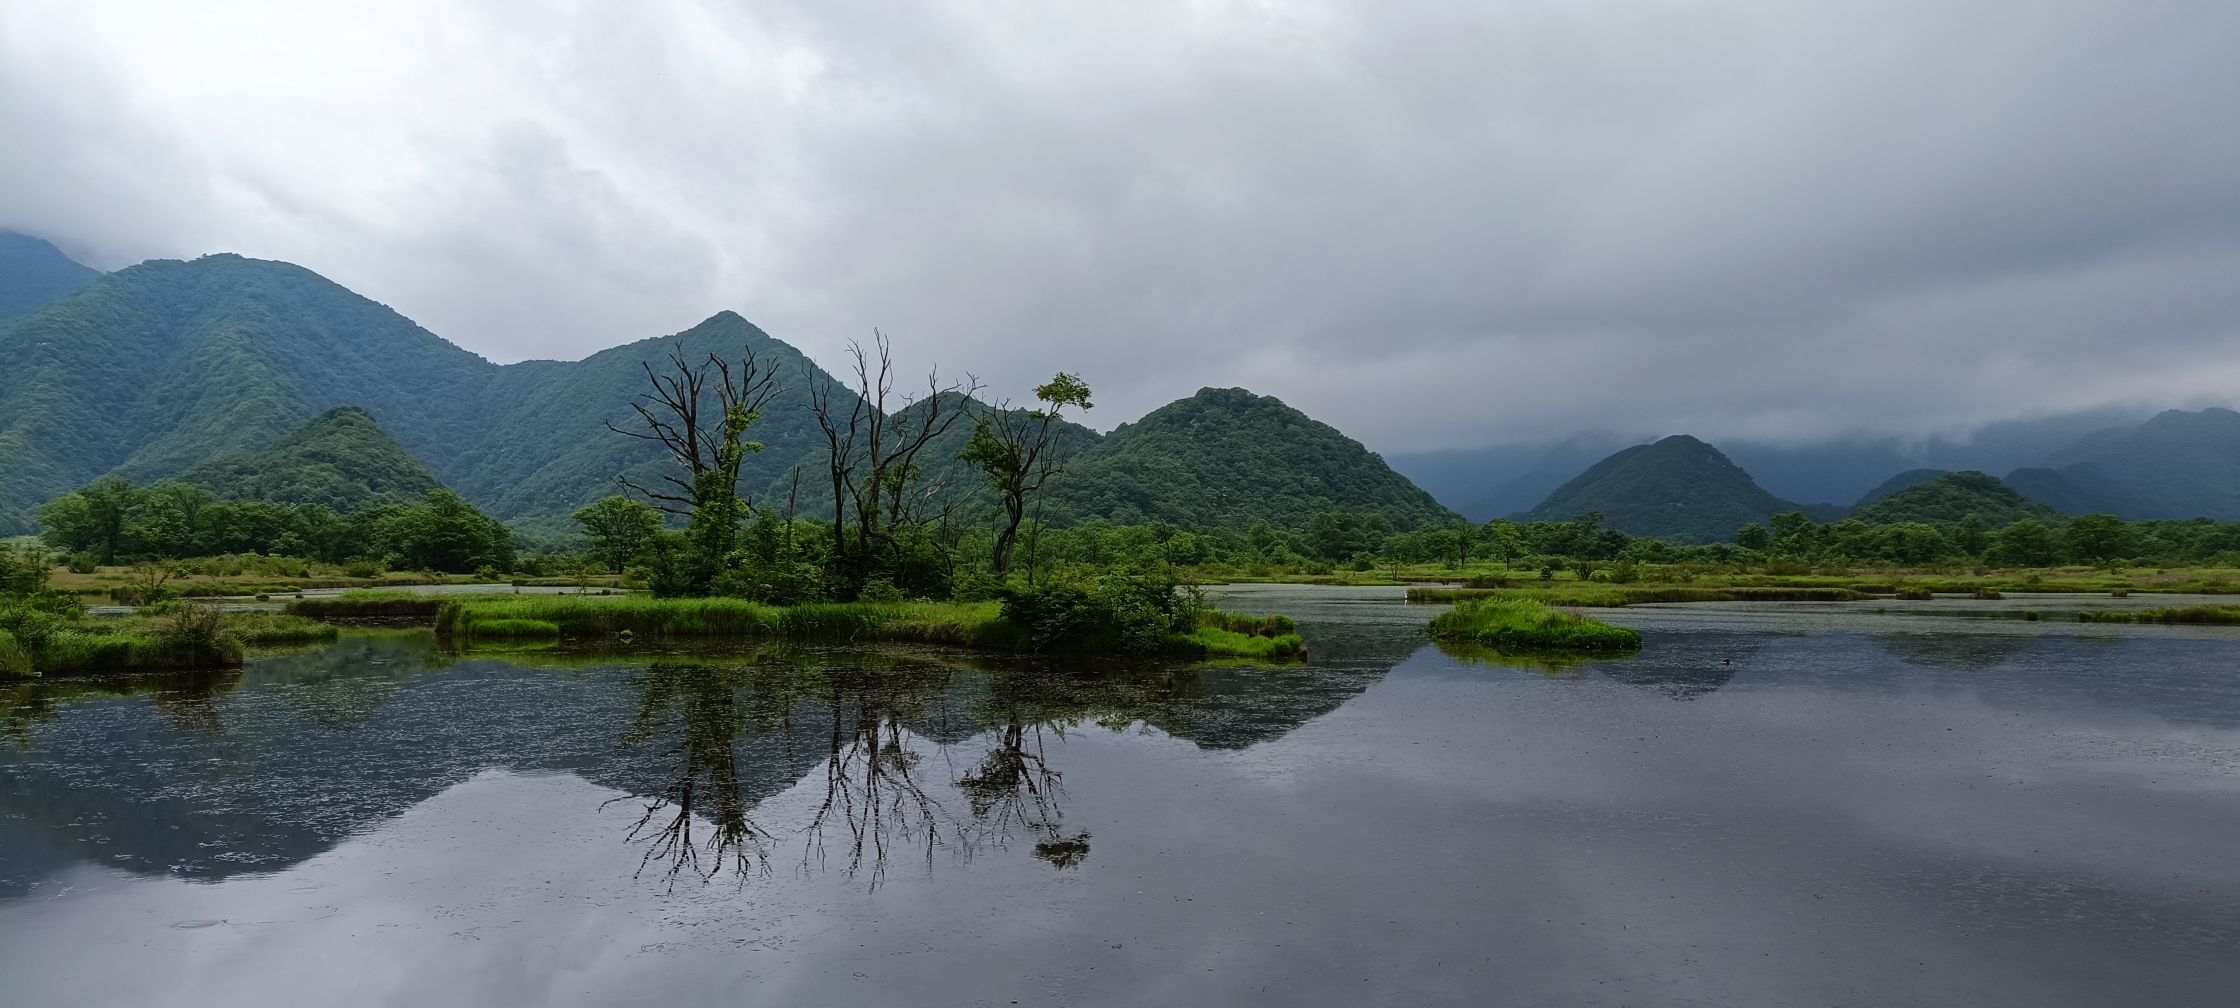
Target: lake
x,y
1773,805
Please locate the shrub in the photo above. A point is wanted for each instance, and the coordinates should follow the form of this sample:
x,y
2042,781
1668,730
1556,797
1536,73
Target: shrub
x,y
83,563
361,569
879,591
15,659
1916,594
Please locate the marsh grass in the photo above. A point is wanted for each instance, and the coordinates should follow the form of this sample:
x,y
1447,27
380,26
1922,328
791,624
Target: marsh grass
x,y
2204,615
979,625
1526,626
1615,596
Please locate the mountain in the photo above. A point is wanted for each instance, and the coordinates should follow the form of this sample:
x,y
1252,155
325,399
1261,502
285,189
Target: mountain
x,y
1908,478
2178,464
1947,499
164,366
1502,479
1678,489
1228,457
2057,490
33,273
341,459
1496,481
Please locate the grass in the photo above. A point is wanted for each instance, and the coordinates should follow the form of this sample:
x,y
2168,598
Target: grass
x,y
164,639
367,604
2206,615
1523,626
1614,596
979,625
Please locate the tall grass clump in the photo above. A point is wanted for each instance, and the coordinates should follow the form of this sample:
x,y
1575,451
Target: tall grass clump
x,y
1519,625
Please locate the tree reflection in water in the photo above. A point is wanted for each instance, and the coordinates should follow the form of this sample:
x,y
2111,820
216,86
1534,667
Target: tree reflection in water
x,y
709,722
878,719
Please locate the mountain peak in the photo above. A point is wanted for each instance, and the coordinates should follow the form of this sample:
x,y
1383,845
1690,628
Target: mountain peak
x,y
1229,457
341,459
1679,488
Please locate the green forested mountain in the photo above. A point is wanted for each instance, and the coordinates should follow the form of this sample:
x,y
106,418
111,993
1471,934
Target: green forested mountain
x,y
1947,499
1678,489
1908,478
539,446
209,365
2178,464
341,459
1227,457
170,364
33,273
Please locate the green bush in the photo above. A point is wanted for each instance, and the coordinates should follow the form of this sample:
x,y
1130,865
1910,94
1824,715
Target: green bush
x,y
83,563
15,659
1916,594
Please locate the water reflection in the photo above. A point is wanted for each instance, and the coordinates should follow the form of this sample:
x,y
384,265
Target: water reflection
x,y
1970,651
881,758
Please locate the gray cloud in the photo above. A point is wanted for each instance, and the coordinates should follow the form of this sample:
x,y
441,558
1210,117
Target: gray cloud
x,y
1431,225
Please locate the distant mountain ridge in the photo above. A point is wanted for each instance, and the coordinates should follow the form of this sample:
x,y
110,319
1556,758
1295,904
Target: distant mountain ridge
x,y
33,273
2177,464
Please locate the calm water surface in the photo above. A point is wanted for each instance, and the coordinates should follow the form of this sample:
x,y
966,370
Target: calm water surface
x,y
1767,807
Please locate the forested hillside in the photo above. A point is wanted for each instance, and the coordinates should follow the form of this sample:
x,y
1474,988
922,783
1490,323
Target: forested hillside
x,y
1952,497
1229,458
342,460
169,365
210,366
1679,489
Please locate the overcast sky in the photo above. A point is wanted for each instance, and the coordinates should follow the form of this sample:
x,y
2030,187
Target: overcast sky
x,y
1433,226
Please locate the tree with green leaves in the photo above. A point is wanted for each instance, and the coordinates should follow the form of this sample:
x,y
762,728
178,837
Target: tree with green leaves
x,y
619,529
1018,450
2026,543
1753,537
445,533
93,518
2095,538
699,412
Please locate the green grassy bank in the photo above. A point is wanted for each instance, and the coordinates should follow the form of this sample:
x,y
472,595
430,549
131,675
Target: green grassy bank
x,y
168,638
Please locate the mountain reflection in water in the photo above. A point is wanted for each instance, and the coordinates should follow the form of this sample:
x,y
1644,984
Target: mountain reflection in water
x,y
202,778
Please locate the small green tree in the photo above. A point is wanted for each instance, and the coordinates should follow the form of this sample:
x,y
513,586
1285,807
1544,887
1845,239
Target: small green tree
x,y
619,529
1018,450
1753,537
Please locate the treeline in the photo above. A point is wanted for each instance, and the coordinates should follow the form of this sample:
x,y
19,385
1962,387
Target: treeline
x,y
113,521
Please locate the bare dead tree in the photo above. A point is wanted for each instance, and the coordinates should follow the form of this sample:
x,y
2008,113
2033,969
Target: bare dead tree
x,y
873,450
698,412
